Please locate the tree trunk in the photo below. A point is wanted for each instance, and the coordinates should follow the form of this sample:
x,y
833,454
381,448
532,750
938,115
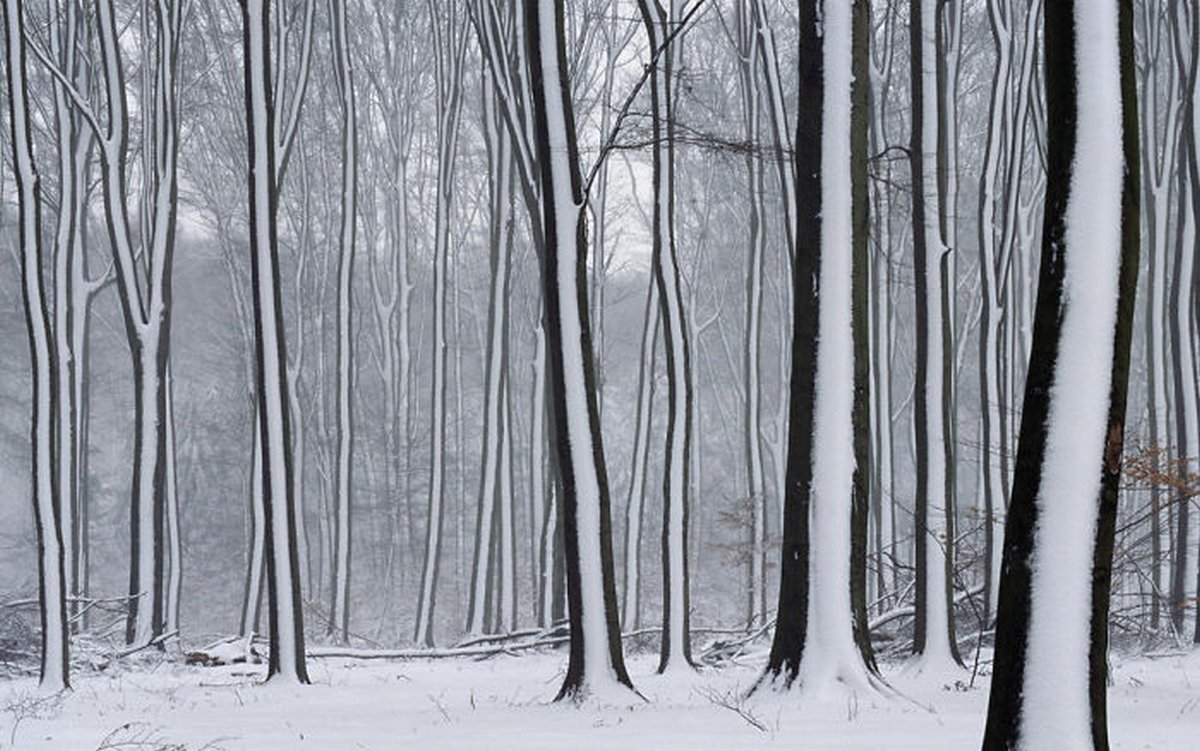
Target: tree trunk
x,y
339,612
1050,671
286,615
676,639
596,663
47,511
818,637
933,638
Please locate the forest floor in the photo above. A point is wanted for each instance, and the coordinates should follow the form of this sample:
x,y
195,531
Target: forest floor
x,y
503,703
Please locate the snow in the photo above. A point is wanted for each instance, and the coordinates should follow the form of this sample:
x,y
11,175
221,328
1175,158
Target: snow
x,y
1055,690
504,703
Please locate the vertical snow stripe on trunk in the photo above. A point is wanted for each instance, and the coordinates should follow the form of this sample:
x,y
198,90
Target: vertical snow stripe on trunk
x,y
1050,672
1055,688
595,656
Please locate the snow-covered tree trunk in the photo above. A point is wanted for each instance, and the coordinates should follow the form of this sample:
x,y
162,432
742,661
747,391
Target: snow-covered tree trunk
x,y
1184,310
596,664
339,612
933,640
659,22
1050,671
46,507
70,301
815,640
286,615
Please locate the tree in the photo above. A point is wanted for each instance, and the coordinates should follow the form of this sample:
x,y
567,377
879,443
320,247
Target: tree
x,y
286,616
47,509
676,637
1186,378
339,612
596,661
1186,322
815,640
1050,671
933,641
147,253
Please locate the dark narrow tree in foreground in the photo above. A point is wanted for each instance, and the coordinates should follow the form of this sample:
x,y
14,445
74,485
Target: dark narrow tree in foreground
x,y
1050,671
815,633
286,616
46,511
596,661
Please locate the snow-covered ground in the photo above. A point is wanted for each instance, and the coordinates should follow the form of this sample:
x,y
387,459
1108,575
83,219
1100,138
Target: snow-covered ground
x,y
503,703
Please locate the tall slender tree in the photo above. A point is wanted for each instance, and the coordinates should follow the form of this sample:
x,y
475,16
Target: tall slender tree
x,y
339,613
1050,671
815,639
47,511
933,640
659,21
596,662
285,612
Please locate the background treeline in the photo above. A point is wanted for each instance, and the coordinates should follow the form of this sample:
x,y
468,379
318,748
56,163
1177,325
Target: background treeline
x,y
439,210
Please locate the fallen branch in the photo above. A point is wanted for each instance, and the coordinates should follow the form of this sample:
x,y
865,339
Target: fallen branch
x,y
432,654
909,611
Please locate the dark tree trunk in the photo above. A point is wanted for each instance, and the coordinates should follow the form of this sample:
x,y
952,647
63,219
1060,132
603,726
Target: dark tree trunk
x,y
860,323
791,624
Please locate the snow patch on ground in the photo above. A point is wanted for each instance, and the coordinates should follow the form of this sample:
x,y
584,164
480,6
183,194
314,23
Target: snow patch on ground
x,y
504,703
